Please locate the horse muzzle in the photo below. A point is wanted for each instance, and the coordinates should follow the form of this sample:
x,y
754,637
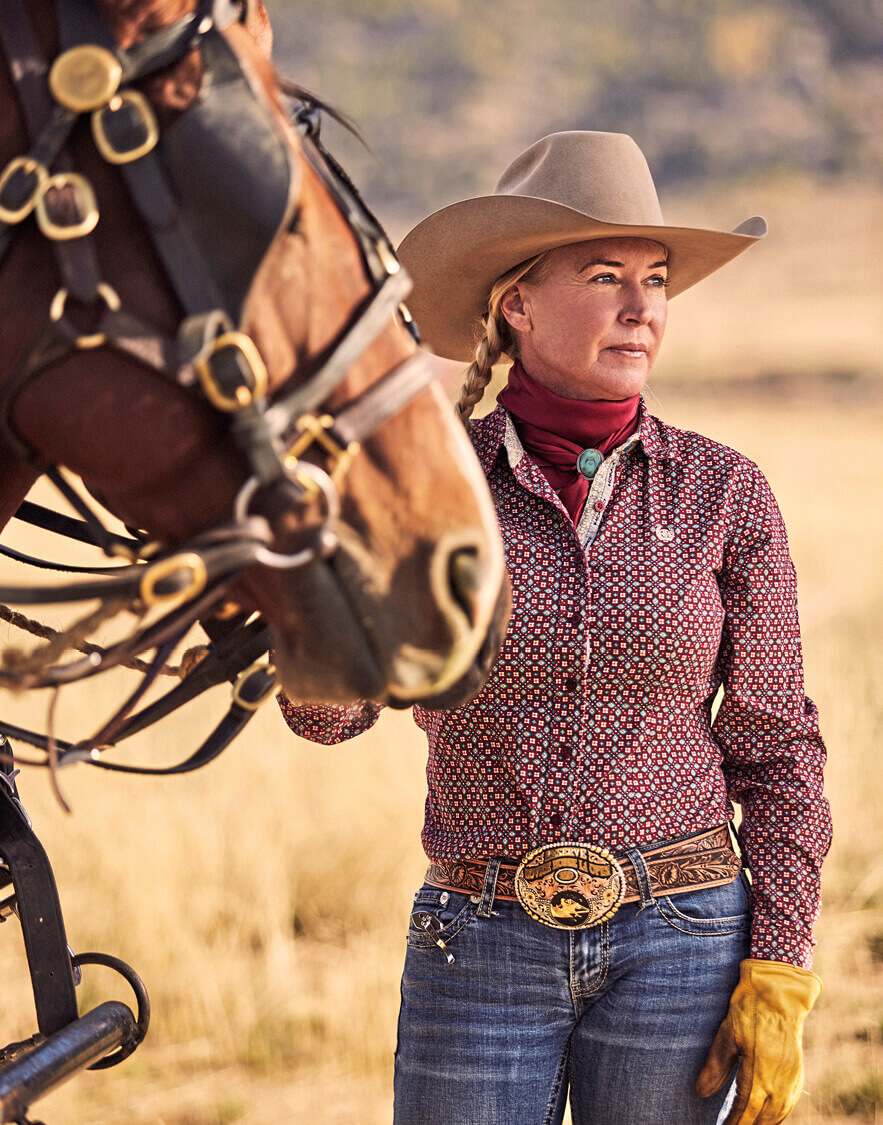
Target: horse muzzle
x,y
466,576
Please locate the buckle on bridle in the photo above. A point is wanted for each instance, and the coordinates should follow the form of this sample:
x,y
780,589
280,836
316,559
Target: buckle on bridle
x,y
85,77
165,568
125,129
88,339
249,680
242,360
12,210
317,430
85,207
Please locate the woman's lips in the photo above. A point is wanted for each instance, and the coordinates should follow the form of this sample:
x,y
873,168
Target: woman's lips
x,y
630,351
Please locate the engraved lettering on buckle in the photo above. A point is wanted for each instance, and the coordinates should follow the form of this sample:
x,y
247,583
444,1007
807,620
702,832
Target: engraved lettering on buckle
x,y
570,886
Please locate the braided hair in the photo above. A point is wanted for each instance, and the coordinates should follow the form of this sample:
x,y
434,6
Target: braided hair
x,y
497,340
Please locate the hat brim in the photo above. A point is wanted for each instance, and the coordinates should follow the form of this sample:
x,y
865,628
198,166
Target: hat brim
x,y
456,254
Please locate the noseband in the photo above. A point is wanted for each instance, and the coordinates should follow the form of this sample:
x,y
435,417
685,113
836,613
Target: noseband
x,y
209,356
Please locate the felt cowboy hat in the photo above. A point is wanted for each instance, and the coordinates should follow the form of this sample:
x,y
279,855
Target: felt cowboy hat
x,y
568,187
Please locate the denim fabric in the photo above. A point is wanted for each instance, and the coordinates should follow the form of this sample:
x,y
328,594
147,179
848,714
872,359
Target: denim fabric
x,y
622,1014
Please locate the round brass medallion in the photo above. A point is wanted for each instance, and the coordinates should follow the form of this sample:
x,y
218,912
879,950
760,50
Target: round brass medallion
x,y
85,78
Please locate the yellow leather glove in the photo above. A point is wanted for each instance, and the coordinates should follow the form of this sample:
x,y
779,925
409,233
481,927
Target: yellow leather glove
x,y
764,1027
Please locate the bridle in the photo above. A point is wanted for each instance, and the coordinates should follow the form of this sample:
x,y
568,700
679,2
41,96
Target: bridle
x,y
209,355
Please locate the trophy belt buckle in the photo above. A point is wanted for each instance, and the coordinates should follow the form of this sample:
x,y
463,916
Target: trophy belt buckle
x,y
570,885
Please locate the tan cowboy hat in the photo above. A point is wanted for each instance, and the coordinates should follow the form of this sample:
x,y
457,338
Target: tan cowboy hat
x,y
568,187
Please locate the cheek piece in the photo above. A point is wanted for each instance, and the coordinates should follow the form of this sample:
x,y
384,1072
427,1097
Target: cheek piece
x,y
763,1029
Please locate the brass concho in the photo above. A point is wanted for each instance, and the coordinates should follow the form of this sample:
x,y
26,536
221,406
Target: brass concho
x,y
85,78
570,886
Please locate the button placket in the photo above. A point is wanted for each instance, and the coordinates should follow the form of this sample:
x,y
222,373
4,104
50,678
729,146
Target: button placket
x,y
597,501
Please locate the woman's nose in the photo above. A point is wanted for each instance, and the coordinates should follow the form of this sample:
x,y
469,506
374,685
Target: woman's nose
x,y
637,308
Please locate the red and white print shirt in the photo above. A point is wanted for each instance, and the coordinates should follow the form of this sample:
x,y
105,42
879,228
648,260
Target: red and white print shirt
x,y
596,722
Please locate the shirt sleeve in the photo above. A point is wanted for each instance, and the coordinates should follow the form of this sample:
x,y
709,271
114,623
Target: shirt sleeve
x,y
767,729
326,723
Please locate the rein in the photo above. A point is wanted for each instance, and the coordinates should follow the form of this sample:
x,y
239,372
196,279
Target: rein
x,y
209,356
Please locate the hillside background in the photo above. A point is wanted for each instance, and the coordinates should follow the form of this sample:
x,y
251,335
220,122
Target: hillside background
x,y
714,91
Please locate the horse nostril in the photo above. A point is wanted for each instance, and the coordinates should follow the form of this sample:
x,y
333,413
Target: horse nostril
x,y
465,577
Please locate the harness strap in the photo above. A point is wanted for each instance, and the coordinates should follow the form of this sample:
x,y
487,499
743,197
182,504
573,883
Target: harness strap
x,y
385,399
365,329
253,687
220,559
39,911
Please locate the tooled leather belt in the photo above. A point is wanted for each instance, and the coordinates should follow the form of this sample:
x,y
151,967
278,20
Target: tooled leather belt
x,y
705,859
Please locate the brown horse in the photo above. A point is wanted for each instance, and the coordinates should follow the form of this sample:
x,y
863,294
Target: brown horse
x,y
400,611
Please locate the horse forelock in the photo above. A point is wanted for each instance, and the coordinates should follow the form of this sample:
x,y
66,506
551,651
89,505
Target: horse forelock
x,y
132,20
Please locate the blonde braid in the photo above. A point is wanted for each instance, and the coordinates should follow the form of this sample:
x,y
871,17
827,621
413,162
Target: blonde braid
x,y
498,339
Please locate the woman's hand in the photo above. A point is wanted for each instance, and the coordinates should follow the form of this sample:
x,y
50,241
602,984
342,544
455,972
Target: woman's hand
x,y
763,1028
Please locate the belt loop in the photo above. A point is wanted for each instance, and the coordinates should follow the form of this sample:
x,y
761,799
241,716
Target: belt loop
x,y
637,861
490,888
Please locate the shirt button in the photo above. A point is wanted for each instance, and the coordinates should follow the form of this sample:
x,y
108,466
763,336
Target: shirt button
x,y
556,820
565,753
575,618
599,505
570,683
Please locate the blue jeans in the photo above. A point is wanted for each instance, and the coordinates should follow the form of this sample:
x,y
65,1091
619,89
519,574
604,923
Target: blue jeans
x,y
622,1014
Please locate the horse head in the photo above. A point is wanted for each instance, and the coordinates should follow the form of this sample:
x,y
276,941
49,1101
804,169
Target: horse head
x,y
237,352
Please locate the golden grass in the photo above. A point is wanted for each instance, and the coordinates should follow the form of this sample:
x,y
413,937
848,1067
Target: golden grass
x,y
265,899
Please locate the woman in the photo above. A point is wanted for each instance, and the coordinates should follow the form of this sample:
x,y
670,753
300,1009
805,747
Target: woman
x,y
584,924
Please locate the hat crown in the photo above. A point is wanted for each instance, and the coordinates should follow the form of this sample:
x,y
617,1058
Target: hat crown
x,y
603,175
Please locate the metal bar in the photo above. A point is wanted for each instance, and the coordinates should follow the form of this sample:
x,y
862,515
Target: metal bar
x,y
57,1058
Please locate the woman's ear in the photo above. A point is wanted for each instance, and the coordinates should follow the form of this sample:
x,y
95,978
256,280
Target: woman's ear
x,y
516,309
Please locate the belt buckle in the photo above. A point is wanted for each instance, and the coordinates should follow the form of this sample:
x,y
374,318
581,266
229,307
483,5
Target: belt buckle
x,y
570,886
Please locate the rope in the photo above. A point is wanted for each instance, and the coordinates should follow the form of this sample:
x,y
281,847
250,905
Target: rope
x,y
74,638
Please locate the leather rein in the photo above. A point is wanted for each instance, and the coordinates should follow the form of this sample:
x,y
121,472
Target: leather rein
x,y
208,356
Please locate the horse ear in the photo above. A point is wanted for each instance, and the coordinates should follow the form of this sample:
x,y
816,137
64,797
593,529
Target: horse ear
x,y
257,24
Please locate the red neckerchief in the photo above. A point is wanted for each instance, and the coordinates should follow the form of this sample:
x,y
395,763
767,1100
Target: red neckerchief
x,y
555,430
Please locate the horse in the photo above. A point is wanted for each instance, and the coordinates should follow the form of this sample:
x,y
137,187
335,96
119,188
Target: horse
x,y
281,390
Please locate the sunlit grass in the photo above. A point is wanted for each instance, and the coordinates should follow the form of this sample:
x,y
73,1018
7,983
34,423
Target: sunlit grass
x,y
265,899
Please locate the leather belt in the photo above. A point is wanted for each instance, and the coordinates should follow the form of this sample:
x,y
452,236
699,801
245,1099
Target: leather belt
x,y
705,859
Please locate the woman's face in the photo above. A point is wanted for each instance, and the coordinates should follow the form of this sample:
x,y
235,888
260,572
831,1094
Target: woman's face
x,y
590,326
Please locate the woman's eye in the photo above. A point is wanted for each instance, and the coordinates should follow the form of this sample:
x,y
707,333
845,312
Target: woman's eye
x,y
658,281
604,277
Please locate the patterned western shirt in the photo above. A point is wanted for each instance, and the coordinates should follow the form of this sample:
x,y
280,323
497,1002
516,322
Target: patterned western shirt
x,y
598,721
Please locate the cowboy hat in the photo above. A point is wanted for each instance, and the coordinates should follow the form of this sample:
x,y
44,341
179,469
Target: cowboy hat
x,y
568,187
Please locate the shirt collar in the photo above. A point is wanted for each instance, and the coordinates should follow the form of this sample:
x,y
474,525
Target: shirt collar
x,y
497,429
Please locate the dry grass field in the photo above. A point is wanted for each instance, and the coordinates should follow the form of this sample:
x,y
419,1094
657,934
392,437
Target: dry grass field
x,y
264,900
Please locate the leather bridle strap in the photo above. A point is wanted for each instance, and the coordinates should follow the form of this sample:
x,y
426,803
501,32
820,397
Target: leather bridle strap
x,y
385,399
79,22
357,338
233,659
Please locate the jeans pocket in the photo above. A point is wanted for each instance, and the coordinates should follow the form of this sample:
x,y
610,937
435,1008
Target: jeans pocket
x,y
438,915
708,911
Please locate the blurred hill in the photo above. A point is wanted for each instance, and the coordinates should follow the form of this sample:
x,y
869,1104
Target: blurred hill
x,y
446,92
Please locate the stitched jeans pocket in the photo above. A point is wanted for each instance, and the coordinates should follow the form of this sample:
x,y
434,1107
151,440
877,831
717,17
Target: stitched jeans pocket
x,y
709,911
